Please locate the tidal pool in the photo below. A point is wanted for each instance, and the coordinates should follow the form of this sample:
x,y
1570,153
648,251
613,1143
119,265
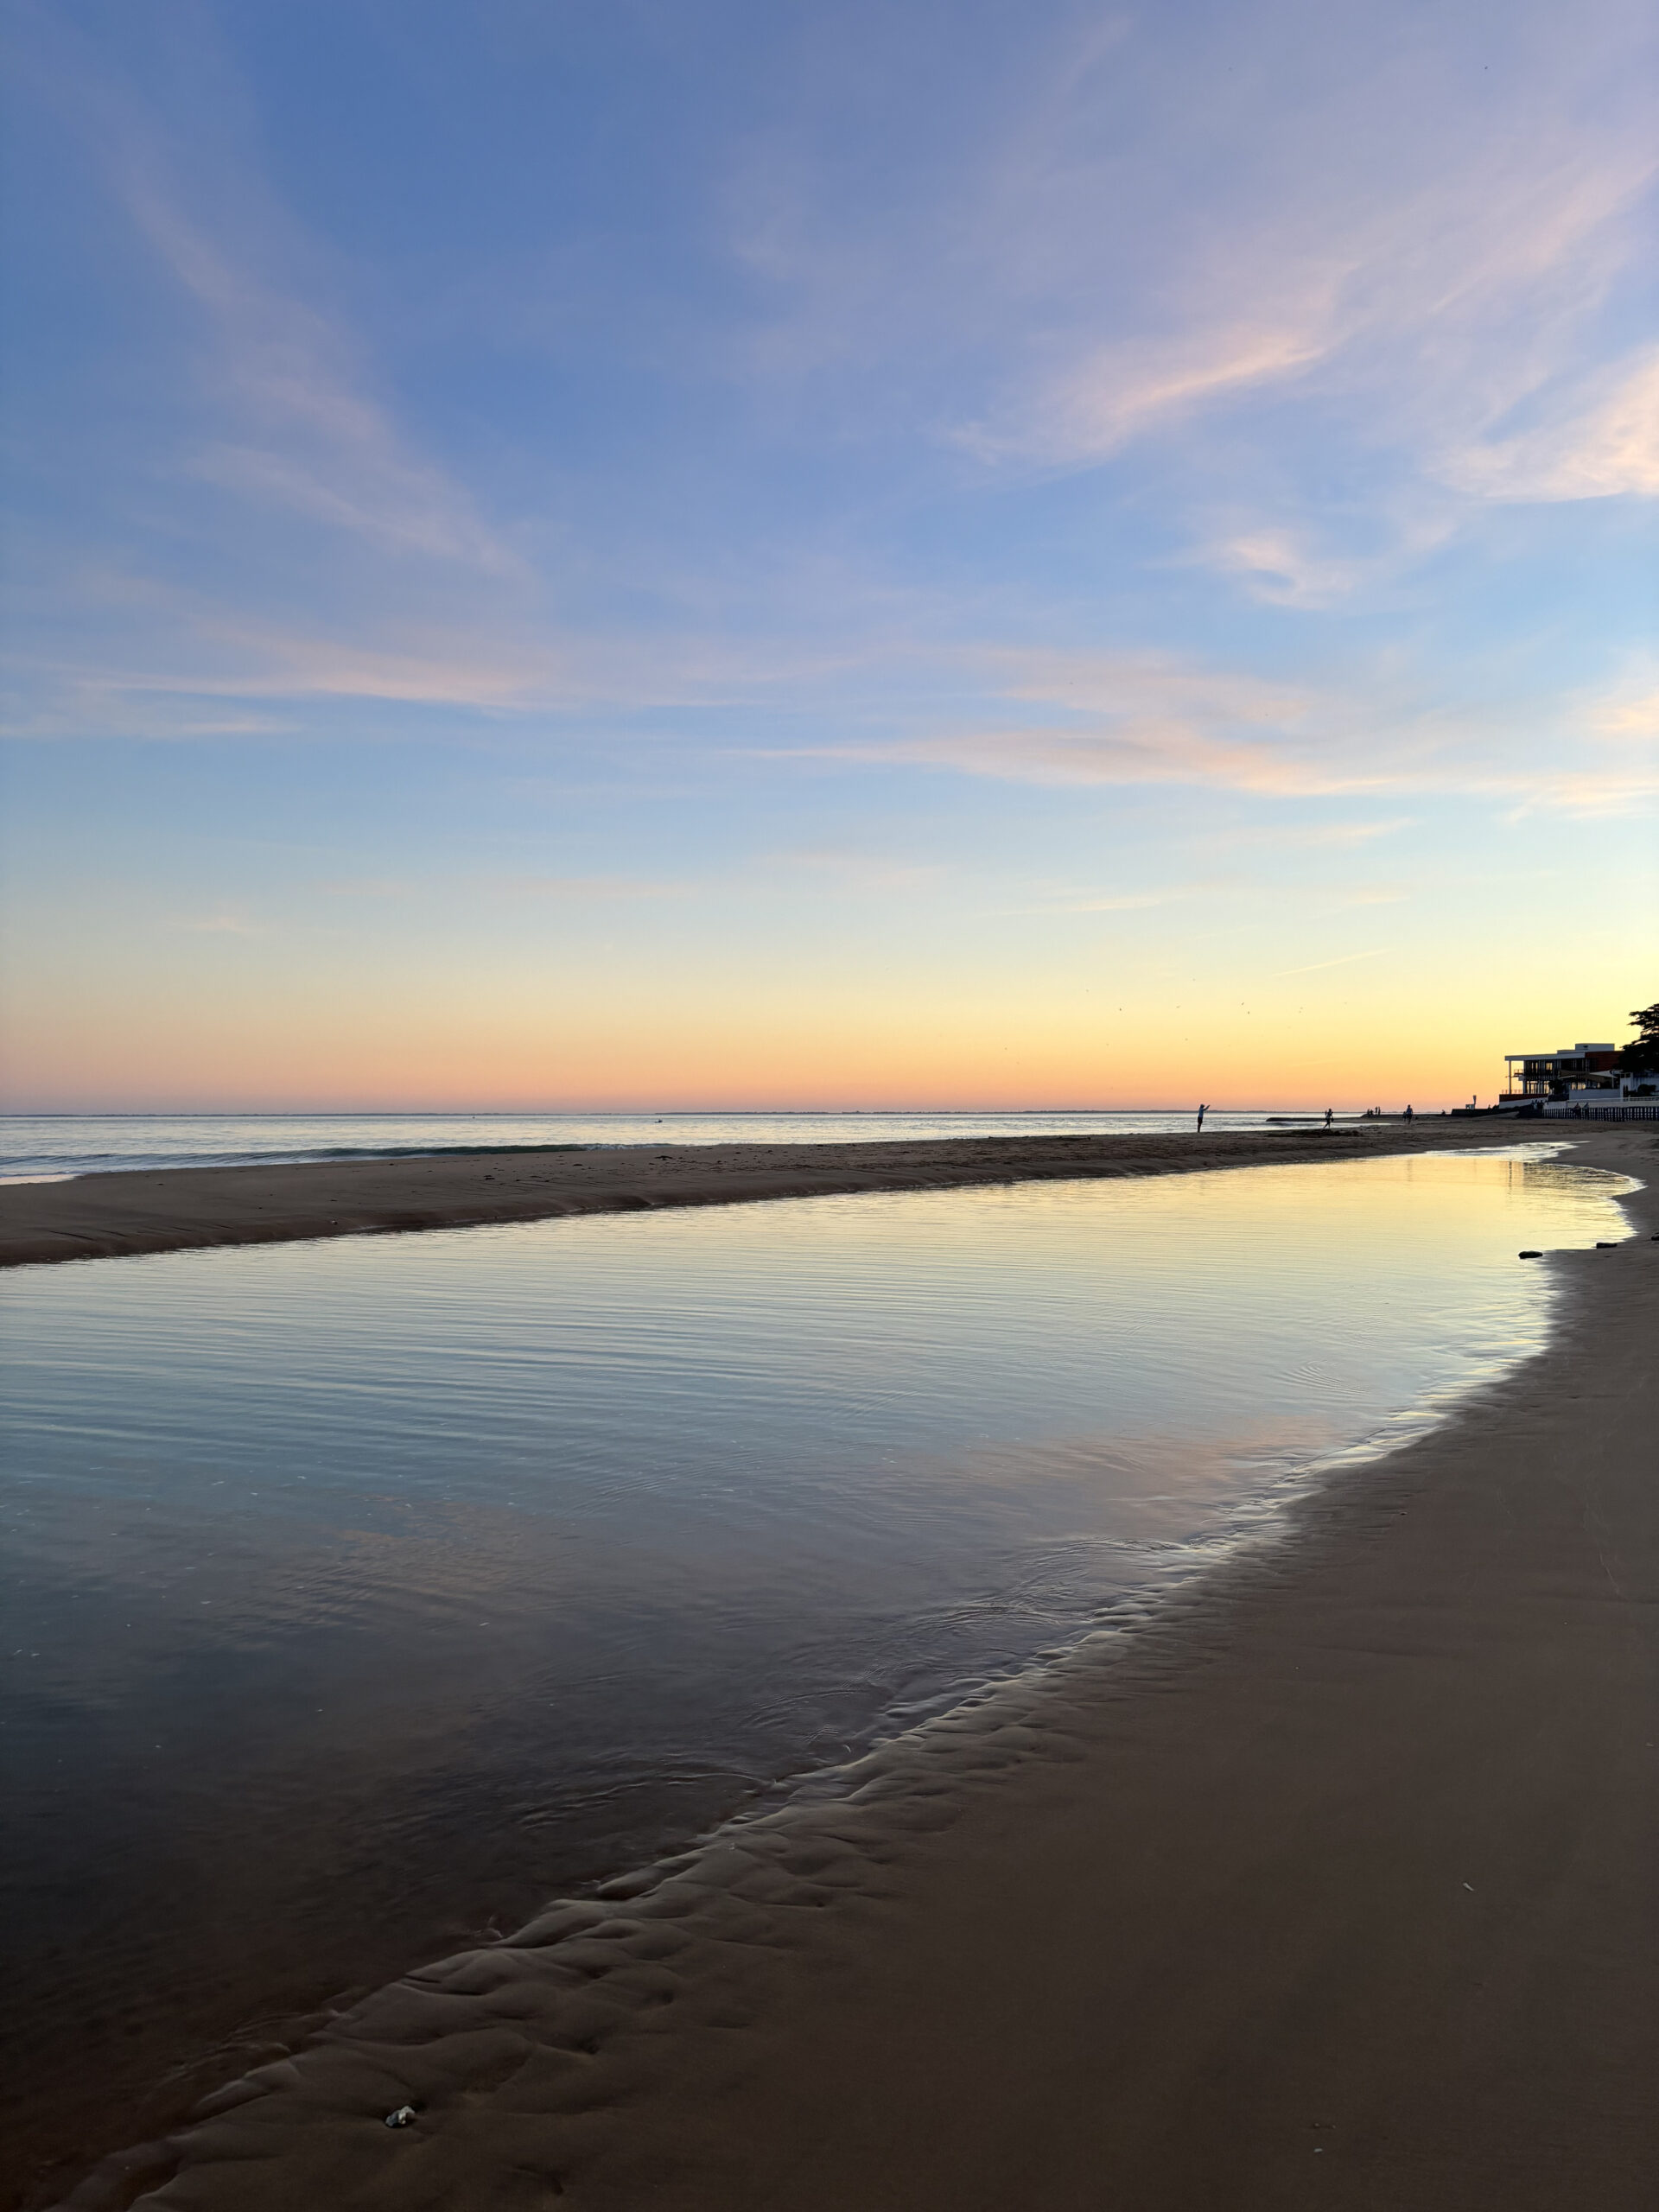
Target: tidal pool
x,y
361,1595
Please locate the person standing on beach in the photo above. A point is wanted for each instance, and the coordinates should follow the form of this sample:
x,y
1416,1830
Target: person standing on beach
x,y
1329,1115
1408,1117
1203,1110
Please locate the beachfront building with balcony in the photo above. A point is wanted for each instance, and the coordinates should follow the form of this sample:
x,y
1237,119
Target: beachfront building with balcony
x,y
1581,1080
1550,1075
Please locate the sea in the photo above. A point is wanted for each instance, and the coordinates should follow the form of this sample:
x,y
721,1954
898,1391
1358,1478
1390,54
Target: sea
x,y
42,1147
363,1595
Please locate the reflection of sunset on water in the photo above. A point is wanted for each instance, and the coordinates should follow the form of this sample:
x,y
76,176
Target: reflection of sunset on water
x,y
375,1587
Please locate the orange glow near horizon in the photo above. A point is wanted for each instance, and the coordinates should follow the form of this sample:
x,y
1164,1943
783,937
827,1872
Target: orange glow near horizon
x,y
831,568
835,1050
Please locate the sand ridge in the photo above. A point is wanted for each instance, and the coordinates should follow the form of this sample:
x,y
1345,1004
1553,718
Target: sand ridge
x,y
1331,1885
168,1210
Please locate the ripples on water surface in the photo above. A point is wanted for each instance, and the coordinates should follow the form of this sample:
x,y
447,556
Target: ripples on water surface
x,y
364,1593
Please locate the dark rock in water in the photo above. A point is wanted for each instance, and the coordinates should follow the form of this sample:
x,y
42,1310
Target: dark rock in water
x,y
1532,1256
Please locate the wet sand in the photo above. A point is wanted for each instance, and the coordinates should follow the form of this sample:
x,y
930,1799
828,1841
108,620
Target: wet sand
x,y
171,1210
1331,1885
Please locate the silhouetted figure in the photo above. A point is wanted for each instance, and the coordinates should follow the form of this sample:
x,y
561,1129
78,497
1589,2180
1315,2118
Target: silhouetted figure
x,y
1203,1110
1408,1117
1329,1116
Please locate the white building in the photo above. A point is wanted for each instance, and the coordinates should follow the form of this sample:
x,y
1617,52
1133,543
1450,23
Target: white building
x,y
1582,1081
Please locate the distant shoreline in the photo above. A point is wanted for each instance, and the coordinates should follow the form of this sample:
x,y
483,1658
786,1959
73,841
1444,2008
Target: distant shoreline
x,y
119,1213
46,1147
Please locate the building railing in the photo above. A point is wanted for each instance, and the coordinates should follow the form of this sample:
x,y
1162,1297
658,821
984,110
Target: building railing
x,y
1630,1110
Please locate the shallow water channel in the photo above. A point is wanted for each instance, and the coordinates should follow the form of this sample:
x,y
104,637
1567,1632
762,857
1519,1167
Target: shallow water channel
x,y
361,1595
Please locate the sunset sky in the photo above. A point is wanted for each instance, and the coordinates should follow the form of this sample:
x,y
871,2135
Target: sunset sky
x,y
696,552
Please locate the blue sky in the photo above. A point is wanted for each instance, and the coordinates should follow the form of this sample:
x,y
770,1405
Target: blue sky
x,y
897,554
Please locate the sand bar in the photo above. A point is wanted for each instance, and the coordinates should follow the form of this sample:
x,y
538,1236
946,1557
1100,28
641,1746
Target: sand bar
x,y
1331,1885
171,1210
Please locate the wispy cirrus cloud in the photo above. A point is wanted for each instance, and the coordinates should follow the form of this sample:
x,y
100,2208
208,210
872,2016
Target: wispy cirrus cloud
x,y
1169,751
1388,240
276,397
1116,720
1191,269
1282,567
306,433
1603,446
1342,960
1338,836
1310,562
1629,716
1121,387
225,922
1127,718
507,883
174,662
1356,761
1437,309
1122,902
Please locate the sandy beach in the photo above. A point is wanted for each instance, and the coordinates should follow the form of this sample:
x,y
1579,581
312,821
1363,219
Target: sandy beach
x,y
171,1210
1331,1885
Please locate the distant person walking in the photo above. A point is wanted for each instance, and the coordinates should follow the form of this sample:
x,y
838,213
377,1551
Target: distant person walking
x,y
1329,1117
1408,1117
1203,1110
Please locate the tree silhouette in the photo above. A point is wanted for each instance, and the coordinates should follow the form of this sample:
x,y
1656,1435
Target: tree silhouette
x,y
1641,1055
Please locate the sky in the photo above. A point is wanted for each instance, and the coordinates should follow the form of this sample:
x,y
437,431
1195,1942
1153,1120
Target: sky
x,y
704,553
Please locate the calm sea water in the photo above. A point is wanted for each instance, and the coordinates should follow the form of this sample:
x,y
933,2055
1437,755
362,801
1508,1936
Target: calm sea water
x,y
363,1594
35,1147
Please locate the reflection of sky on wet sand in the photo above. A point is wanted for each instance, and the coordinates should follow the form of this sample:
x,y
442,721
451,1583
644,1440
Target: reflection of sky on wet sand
x,y
365,1589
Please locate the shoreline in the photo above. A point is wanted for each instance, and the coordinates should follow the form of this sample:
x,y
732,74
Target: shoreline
x,y
1330,1885
126,1213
